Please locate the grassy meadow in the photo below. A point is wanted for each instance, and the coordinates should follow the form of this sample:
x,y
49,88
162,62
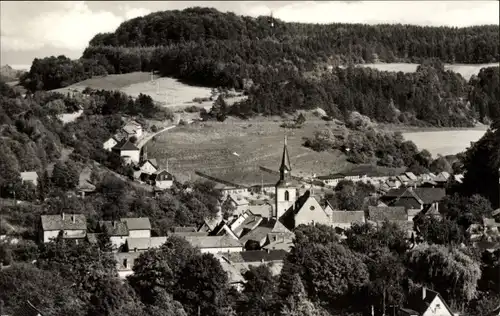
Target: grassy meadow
x,y
233,150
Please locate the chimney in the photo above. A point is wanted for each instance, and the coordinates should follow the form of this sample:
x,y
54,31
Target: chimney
x,y
63,216
73,219
424,292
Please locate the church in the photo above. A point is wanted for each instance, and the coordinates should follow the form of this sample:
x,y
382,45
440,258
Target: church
x,y
291,209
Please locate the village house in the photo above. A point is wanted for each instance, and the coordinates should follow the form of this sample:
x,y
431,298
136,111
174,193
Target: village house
x,y
132,128
72,226
230,189
110,143
237,202
148,166
138,227
215,244
222,229
379,214
117,231
267,231
414,198
128,151
139,244
426,303
125,262
30,176
162,179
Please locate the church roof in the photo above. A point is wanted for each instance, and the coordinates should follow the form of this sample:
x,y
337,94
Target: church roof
x,y
285,159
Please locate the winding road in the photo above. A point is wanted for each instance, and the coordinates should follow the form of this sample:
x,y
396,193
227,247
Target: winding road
x,y
144,140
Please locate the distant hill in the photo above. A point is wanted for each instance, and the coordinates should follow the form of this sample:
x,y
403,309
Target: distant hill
x,y
7,73
288,66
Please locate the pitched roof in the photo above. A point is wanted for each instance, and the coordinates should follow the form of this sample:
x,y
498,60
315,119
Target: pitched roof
x,y
92,237
263,210
496,212
213,242
137,223
391,213
423,195
119,136
490,222
331,177
130,129
347,216
260,232
143,243
418,303
411,176
56,222
432,211
125,144
152,161
162,175
114,228
258,256
29,176
239,200
250,221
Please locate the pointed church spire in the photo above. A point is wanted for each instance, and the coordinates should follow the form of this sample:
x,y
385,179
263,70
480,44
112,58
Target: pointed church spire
x,y
285,167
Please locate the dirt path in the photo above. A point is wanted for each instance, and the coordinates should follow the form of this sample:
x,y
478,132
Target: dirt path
x,y
143,141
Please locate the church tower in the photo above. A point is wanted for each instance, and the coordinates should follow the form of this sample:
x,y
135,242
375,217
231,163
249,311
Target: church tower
x,y
286,193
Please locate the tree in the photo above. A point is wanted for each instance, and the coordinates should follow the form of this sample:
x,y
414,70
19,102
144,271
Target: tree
x,y
160,269
297,303
65,175
112,297
318,234
300,120
442,232
366,238
449,271
219,109
202,284
330,273
258,292
48,291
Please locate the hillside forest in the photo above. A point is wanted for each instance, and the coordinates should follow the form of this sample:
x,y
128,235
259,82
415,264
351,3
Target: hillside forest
x,y
290,66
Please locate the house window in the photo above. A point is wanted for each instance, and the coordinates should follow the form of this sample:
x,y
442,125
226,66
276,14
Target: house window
x,y
125,263
287,196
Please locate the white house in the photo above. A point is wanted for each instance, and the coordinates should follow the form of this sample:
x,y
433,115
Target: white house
x,y
125,262
331,180
110,143
127,150
72,226
30,176
138,227
149,166
162,179
117,231
345,219
426,303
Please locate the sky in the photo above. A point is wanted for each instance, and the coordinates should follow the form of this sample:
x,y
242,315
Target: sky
x,y
37,29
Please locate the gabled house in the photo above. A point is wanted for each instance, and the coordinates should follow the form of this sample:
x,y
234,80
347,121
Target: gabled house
x,y
117,231
414,198
128,151
138,226
237,202
162,179
331,180
30,176
72,226
268,230
426,303
210,224
148,166
222,229
306,210
245,223
411,176
110,143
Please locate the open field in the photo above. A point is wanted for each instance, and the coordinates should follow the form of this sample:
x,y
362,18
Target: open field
x,y
447,142
172,93
209,147
466,70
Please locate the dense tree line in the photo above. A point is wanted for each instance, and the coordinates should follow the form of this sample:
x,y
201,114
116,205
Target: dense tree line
x,y
484,94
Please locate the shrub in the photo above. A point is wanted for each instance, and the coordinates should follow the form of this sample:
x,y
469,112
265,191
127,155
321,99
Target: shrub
x,y
133,139
154,128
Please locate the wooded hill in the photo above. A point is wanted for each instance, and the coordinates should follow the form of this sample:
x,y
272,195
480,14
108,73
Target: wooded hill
x,y
206,47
